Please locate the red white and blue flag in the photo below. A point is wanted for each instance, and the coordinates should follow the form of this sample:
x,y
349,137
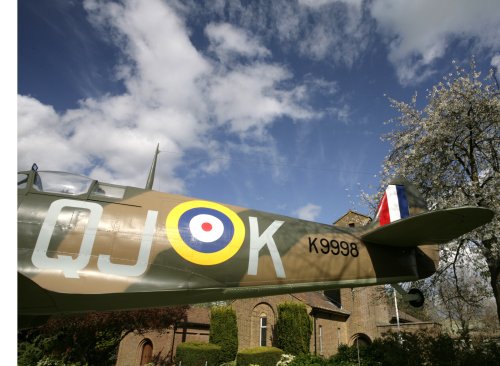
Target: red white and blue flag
x,y
393,206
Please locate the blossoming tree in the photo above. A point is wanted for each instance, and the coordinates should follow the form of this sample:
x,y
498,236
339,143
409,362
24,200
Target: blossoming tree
x,y
450,149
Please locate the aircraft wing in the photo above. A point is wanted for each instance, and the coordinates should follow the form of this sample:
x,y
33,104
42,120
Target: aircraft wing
x,y
431,227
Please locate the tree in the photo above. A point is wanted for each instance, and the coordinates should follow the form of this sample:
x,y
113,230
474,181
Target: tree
x,y
450,149
90,338
293,328
224,331
460,295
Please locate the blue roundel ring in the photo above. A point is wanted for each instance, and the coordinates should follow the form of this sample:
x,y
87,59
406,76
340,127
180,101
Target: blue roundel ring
x,y
204,232
189,237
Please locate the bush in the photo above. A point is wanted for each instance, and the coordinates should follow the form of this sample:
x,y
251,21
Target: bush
x,y
285,359
409,349
293,328
196,354
262,356
348,356
308,360
29,352
440,350
224,332
230,363
480,352
417,349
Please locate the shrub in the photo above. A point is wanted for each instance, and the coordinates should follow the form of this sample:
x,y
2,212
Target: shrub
x,y
293,328
230,363
440,350
308,360
285,359
224,332
262,356
196,354
421,348
480,352
348,356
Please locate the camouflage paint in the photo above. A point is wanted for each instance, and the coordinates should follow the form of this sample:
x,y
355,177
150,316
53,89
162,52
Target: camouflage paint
x,y
87,252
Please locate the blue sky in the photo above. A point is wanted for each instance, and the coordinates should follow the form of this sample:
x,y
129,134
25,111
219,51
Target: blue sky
x,y
277,106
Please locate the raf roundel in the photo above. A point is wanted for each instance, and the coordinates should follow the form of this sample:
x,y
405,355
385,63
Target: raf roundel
x,y
204,233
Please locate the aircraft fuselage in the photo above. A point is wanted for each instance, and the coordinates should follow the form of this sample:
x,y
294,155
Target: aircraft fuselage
x,y
113,247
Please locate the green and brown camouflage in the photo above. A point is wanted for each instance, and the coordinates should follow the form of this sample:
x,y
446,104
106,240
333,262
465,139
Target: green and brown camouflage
x,y
85,245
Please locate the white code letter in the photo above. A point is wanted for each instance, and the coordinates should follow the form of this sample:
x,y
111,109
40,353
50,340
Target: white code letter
x,y
104,262
66,263
257,242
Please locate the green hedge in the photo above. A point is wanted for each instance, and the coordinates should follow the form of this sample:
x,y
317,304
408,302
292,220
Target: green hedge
x,y
310,360
293,328
224,332
262,356
411,349
196,354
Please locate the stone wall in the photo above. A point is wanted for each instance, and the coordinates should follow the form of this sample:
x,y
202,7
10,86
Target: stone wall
x,y
249,311
164,343
368,307
131,347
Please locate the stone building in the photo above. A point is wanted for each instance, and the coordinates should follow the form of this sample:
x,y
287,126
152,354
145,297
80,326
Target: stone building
x,y
256,318
342,316
140,349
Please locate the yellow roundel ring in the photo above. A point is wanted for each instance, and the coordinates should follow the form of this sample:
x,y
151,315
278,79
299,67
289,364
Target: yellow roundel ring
x,y
204,232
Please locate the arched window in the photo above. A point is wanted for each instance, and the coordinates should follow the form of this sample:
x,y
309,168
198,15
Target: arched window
x,y
263,330
262,321
360,340
146,352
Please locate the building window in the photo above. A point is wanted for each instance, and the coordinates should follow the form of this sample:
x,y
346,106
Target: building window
x,y
361,340
147,352
263,330
320,339
338,337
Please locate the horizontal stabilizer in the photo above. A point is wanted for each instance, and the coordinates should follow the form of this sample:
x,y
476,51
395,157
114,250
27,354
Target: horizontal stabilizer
x,y
431,227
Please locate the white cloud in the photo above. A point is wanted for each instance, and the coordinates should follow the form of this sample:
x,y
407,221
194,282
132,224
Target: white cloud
x,y
495,62
419,32
175,96
228,41
337,31
308,212
341,113
162,66
249,98
326,86
320,3
43,138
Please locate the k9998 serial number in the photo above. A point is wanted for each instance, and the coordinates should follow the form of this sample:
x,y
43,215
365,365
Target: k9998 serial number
x,y
332,246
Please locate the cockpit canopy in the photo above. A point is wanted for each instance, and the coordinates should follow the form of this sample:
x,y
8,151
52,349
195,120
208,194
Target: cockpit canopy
x,y
69,184
60,182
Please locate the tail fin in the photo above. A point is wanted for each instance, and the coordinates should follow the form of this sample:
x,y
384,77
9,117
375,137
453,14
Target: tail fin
x,y
402,219
400,200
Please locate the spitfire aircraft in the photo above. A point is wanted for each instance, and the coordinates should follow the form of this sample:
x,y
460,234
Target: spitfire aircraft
x,y
85,245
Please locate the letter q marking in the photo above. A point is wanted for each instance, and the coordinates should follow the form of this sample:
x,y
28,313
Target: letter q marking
x,y
66,263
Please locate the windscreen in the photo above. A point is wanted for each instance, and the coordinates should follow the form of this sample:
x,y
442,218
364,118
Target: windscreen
x,y
60,182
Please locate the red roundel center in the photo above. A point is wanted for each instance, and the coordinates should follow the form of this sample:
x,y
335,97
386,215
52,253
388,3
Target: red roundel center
x,y
206,226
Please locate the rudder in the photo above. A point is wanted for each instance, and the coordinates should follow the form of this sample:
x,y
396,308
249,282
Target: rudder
x,y
401,199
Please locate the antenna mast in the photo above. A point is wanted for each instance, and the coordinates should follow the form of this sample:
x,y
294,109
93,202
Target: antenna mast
x,y
151,176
